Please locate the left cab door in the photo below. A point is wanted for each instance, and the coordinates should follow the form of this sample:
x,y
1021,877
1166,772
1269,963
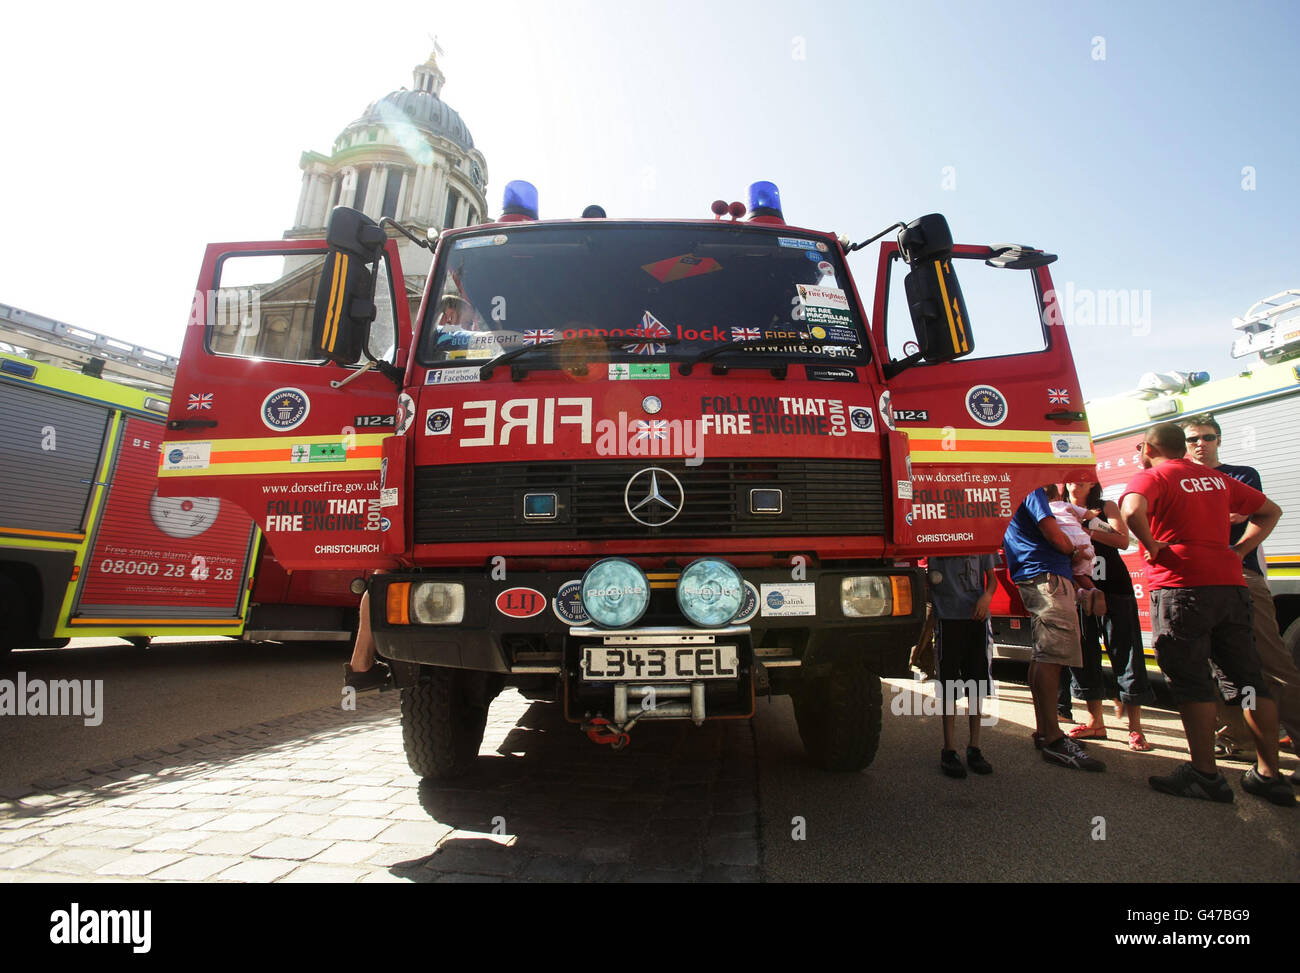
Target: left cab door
x,y
258,420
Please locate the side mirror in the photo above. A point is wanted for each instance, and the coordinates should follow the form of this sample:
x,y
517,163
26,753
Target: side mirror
x,y
1014,256
345,299
934,295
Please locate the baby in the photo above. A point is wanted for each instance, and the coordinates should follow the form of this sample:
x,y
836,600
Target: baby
x,y
1071,517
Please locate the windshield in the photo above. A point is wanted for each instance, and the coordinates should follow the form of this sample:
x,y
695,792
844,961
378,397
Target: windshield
x,y
694,286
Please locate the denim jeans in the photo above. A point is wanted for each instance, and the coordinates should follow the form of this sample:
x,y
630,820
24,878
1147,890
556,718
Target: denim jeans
x,y
1121,631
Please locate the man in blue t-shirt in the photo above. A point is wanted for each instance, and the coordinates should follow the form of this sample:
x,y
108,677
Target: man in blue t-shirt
x,y
1038,561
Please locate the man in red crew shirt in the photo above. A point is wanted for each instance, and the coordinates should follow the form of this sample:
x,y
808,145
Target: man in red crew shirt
x,y
1200,607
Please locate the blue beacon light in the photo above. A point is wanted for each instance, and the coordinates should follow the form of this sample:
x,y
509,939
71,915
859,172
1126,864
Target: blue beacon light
x,y
765,201
520,200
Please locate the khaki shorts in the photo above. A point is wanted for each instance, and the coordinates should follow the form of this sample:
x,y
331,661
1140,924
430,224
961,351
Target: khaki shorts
x,y
1050,601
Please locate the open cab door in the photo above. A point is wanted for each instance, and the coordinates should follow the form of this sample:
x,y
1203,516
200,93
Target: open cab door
x,y
988,419
287,387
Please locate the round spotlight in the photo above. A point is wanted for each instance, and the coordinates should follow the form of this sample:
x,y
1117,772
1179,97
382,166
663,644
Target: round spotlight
x,y
615,593
710,592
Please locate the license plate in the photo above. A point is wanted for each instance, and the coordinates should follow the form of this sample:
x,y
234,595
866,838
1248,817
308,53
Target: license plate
x,y
669,663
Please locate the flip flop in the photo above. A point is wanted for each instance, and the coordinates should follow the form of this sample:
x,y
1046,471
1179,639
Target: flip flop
x,y
1084,732
1138,742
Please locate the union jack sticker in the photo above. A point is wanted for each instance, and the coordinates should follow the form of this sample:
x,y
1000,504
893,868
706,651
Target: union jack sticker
x,y
537,335
1058,396
746,334
654,429
200,400
651,327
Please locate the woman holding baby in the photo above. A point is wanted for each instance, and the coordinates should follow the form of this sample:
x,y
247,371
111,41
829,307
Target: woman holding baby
x,y
1118,626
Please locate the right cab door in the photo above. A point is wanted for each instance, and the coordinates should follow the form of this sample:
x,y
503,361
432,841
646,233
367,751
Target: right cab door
x,y
986,429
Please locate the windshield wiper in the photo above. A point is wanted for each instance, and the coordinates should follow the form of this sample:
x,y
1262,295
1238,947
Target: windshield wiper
x,y
607,340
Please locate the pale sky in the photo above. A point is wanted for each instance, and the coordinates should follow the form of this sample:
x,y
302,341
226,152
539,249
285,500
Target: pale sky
x,y
1125,140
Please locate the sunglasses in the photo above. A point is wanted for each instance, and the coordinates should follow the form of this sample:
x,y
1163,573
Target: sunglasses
x,y
1209,437
1140,446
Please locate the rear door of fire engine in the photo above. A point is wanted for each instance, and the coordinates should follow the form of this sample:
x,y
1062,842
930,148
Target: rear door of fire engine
x,y
986,428
258,420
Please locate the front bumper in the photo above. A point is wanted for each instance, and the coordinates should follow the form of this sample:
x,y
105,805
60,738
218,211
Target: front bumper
x,y
794,623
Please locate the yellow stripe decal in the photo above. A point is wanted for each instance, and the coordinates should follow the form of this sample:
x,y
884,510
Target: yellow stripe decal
x,y
206,622
41,534
957,342
326,333
1017,447
273,454
1013,459
336,299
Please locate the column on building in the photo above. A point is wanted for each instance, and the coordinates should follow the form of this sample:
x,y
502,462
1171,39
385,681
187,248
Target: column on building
x,y
336,185
316,203
347,186
375,190
302,198
437,198
411,196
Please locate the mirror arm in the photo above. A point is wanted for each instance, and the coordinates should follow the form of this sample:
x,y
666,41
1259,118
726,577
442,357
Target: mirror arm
x,y
869,242
894,366
357,374
419,242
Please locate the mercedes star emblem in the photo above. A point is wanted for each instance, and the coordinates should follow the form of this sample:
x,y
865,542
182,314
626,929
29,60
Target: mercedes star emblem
x,y
661,496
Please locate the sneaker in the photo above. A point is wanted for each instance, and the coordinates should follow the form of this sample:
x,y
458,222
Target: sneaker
x,y
1072,754
1187,781
377,676
950,765
1275,789
976,762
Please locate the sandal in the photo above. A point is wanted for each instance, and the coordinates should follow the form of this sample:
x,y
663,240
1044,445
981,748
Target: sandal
x,y
1138,742
1085,732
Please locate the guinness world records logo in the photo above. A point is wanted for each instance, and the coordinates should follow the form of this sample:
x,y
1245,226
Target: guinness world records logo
x,y
285,409
986,405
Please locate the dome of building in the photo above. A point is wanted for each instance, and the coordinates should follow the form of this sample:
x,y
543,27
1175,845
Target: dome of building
x,y
422,109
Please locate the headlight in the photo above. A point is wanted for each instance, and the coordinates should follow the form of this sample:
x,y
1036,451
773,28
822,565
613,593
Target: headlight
x,y
866,597
615,593
438,603
710,592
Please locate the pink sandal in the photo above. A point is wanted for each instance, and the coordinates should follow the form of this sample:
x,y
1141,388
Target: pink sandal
x,y
1138,742
1085,732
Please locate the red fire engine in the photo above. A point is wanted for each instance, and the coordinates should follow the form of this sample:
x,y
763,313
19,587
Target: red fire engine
x,y
648,468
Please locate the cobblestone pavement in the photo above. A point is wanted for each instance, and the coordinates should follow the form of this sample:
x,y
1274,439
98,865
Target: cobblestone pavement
x,y
326,796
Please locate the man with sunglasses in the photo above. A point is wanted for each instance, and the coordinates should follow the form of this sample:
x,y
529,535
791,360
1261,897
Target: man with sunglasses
x,y
1204,437
1200,607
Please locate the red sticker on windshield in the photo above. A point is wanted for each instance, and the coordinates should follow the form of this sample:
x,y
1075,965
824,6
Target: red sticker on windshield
x,y
679,268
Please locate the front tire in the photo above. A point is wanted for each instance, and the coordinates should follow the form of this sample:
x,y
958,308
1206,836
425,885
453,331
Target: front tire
x,y
443,720
839,716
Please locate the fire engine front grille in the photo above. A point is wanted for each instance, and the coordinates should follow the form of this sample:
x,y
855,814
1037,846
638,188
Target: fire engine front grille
x,y
484,501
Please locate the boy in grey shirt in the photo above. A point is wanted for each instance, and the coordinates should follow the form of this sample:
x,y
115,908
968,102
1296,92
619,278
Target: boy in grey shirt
x,y
961,589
